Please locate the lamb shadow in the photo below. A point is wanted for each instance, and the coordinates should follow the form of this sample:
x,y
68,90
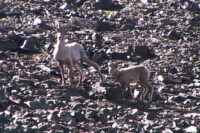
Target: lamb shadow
x,y
114,94
141,106
73,91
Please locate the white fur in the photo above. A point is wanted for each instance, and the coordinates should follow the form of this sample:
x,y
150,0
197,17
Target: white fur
x,y
70,54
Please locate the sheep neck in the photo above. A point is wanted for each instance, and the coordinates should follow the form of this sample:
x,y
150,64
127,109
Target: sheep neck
x,y
115,74
60,43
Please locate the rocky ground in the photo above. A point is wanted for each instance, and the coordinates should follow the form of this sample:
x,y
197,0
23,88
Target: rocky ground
x,y
162,34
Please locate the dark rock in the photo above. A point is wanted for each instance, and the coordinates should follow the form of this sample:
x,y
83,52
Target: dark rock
x,y
80,117
130,116
2,130
3,119
179,99
38,104
43,127
77,106
103,25
114,92
29,46
2,14
173,70
128,26
17,14
96,37
103,4
152,115
80,2
98,56
191,5
10,14
143,51
2,55
8,45
17,38
76,92
117,55
107,130
2,95
102,118
53,116
174,35
65,116
195,21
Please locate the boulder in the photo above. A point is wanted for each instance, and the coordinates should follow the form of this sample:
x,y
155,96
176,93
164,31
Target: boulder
x,y
8,45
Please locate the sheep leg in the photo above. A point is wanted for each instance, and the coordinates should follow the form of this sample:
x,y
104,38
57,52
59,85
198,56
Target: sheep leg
x,y
150,91
131,92
70,75
62,72
123,89
144,93
76,65
91,63
147,90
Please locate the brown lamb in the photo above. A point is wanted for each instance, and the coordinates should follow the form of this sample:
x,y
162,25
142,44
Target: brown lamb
x,y
133,74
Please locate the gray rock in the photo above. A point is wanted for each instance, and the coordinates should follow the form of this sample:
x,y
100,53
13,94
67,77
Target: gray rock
x,y
97,87
191,129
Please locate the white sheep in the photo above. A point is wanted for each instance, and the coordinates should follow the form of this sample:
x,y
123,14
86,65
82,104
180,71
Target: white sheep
x,y
70,54
133,74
